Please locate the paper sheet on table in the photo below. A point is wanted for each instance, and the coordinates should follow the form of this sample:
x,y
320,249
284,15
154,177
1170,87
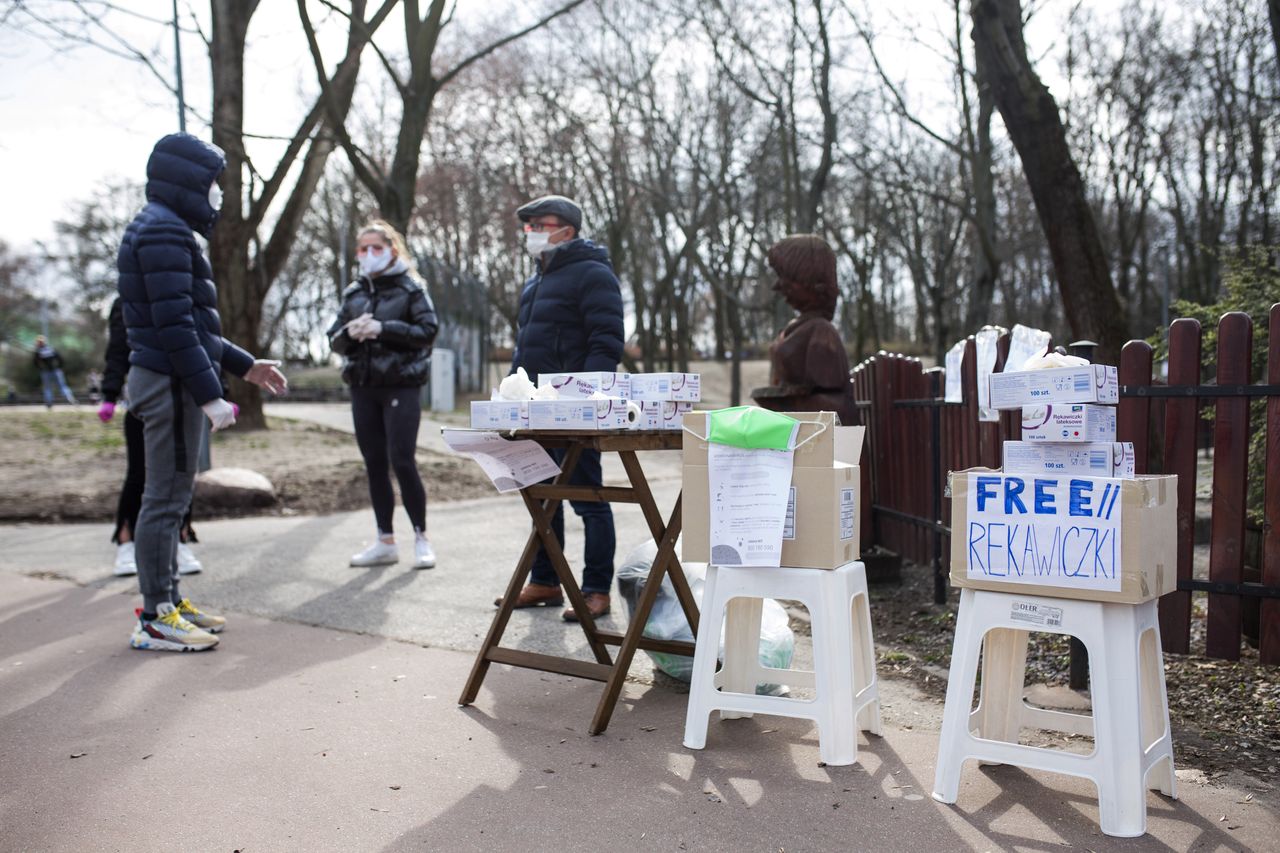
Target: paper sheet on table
x,y
749,490
511,465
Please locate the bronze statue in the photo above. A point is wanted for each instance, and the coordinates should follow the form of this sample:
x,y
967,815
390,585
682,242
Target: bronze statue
x,y
809,368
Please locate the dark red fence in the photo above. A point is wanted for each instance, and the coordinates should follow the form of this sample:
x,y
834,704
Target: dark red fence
x,y
914,439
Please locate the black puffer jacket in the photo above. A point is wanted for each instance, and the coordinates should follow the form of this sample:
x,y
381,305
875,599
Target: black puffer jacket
x,y
400,356
570,313
168,299
117,355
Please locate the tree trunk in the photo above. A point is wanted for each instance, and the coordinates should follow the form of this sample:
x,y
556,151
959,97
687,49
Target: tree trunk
x,y
1035,127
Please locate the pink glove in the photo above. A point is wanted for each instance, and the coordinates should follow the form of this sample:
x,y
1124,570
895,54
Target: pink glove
x,y
235,410
106,411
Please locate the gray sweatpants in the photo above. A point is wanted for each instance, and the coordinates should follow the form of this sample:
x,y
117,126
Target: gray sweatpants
x,y
172,426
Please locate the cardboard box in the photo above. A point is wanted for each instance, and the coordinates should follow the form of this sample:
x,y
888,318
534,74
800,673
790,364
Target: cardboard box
x,y
833,443
656,387
578,414
499,414
1069,422
665,414
1090,383
823,515
580,386
1087,459
1091,538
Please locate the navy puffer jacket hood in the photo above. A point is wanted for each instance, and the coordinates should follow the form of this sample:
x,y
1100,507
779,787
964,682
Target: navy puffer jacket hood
x,y
180,171
167,297
570,315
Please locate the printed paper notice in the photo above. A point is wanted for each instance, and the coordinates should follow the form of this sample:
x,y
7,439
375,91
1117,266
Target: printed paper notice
x,y
749,491
511,465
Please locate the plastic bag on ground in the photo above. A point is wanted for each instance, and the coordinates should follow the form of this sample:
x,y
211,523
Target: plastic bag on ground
x,y
667,620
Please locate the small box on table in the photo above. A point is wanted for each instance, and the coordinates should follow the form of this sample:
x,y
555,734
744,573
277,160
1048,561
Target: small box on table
x,y
580,386
656,387
602,414
664,414
1085,458
1069,422
1088,383
499,414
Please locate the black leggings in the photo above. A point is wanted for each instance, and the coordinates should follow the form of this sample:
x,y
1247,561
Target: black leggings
x,y
135,477
386,421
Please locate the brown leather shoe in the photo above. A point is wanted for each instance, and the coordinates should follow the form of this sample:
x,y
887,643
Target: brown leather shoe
x,y
536,595
597,606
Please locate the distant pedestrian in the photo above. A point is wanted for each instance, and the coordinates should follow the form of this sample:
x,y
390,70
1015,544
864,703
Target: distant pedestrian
x,y
49,363
384,332
130,502
170,309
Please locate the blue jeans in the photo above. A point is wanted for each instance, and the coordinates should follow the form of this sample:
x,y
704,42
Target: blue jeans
x,y
597,529
50,379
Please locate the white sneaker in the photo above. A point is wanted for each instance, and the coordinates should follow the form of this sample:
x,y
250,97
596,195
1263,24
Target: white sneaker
x,y
424,556
126,561
378,554
187,562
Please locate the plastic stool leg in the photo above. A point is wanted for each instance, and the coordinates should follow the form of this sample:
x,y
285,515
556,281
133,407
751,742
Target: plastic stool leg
x,y
702,686
1155,713
864,662
959,703
833,673
1114,680
741,649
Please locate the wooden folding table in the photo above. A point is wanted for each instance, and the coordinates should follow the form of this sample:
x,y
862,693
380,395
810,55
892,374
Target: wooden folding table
x,y
540,501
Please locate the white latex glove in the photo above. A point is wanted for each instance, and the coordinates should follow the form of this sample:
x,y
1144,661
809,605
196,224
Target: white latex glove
x,y
372,328
220,413
358,327
266,374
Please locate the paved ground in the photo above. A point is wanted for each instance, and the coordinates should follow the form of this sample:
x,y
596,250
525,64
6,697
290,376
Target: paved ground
x,y
326,720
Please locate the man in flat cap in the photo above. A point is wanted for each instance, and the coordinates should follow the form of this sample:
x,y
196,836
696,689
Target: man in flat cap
x,y
570,320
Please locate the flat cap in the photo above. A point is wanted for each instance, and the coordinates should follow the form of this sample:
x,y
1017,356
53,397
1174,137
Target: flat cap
x,y
553,205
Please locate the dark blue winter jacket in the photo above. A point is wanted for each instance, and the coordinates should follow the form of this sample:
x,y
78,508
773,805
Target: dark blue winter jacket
x,y
570,313
169,302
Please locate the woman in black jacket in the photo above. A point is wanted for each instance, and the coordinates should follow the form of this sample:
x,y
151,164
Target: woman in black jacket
x,y
384,332
113,381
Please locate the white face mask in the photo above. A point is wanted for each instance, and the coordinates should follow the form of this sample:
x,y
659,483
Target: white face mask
x,y
374,260
215,196
536,242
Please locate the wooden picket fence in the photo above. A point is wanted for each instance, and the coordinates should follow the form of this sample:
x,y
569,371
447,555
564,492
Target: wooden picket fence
x,y
914,439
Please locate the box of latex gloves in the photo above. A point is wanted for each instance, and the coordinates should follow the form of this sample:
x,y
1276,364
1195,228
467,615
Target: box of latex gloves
x,y
1092,538
581,386
657,387
824,503
499,414
1069,422
1089,458
600,413
1084,383
665,414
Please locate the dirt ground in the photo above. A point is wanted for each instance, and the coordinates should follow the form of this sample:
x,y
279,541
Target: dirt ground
x,y
70,467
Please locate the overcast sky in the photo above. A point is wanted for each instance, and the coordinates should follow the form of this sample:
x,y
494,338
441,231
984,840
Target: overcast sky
x,y
71,120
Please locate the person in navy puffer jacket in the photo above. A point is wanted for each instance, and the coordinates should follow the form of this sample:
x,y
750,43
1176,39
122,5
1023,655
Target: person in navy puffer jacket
x,y
570,320
176,350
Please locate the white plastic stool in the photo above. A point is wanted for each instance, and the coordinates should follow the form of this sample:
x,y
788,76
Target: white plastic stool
x,y
844,675
1133,748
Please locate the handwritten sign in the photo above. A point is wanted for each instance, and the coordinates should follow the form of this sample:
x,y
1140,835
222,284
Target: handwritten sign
x,y
1054,531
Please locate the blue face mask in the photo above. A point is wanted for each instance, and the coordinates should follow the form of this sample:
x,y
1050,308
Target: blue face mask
x,y
752,427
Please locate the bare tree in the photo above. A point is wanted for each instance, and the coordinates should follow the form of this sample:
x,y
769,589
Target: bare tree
x,y
1031,118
